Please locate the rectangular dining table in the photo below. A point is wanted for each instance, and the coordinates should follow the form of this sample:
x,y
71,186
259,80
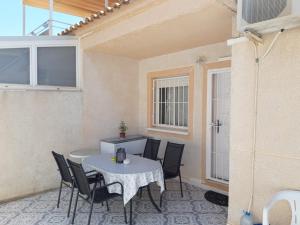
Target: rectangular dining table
x,y
140,172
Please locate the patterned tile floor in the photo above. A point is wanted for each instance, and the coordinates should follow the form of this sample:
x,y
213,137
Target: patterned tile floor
x,y
191,209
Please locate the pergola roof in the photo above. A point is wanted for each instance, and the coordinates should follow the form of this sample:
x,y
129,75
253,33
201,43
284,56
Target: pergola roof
x,y
82,8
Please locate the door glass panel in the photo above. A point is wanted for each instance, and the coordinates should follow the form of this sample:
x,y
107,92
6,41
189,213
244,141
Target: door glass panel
x,y
220,110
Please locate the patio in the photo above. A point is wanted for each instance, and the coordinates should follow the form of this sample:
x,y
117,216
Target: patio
x,y
192,209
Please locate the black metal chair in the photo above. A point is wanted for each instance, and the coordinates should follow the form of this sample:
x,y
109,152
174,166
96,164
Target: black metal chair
x,y
151,149
96,195
150,152
171,164
67,178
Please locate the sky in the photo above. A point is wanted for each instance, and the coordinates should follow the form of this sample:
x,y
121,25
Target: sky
x,y
11,18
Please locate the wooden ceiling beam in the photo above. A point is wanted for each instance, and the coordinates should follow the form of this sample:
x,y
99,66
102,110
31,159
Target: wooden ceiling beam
x,y
91,6
74,7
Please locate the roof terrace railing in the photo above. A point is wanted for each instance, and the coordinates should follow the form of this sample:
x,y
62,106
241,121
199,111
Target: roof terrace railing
x,y
48,25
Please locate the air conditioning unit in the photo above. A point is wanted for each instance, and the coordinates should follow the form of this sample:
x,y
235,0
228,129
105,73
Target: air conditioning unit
x,y
264,16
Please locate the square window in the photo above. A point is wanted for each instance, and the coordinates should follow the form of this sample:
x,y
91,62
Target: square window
x,y
15,66
56,66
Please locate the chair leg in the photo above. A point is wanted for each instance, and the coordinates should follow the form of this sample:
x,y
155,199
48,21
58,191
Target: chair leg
x,y
106,201
180,184
125,214
58,200
91,210
107,206
100,186
130,214
161,195
75,207
71,198
160,162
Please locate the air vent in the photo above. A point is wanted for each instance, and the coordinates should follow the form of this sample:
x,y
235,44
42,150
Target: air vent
x,y
255,11
268,15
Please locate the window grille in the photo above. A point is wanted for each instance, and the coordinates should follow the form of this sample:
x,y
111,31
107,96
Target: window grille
x,y
170,102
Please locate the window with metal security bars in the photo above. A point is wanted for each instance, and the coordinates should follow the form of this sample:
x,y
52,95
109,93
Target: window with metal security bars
x,y
171,102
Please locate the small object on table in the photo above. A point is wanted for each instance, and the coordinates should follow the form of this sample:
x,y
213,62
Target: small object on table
x,y
120,155
126,161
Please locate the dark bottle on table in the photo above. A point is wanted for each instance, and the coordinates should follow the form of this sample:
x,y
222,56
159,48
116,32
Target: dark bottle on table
x,y
120,155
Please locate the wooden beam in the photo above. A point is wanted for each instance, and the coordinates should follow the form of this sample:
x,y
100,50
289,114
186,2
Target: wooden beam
x,y
86,5
73,7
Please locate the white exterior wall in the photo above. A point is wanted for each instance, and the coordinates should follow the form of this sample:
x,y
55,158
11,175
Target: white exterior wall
x,y
277,162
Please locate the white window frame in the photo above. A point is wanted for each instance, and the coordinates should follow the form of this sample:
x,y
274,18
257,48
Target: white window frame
x,y
156,124
16,46
33,44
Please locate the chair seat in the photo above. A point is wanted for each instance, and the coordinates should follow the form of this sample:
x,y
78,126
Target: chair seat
x,y
102,194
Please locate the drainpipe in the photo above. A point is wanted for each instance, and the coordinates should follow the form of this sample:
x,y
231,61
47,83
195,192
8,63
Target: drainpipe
x,y
50,17
105,3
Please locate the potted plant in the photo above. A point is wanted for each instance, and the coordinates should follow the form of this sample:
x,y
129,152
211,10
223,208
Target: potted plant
x,y
123,128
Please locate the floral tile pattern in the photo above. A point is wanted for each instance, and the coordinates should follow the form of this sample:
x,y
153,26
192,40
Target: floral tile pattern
x,y
192,209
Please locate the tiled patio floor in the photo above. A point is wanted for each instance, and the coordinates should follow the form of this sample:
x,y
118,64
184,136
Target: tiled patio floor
x,y
192,209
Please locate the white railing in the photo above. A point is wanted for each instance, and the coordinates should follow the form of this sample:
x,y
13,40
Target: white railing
x,y
44,28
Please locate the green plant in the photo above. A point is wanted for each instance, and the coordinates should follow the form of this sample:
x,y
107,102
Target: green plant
x,y
123,127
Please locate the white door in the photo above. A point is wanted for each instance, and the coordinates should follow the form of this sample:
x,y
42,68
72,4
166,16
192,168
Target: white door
x,y
218,114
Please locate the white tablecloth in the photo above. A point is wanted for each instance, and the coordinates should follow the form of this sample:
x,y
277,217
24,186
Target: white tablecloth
x,y
138,173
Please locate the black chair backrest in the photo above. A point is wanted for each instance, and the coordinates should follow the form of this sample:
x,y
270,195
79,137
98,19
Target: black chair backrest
x,y
62,167
151,149
80,178
172,159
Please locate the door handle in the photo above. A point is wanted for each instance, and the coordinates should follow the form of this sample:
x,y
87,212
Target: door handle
x,y
217,125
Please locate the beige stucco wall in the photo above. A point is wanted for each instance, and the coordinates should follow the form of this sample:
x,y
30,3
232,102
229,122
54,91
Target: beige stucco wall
x,y
32,123
277,163
192,153
110,95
